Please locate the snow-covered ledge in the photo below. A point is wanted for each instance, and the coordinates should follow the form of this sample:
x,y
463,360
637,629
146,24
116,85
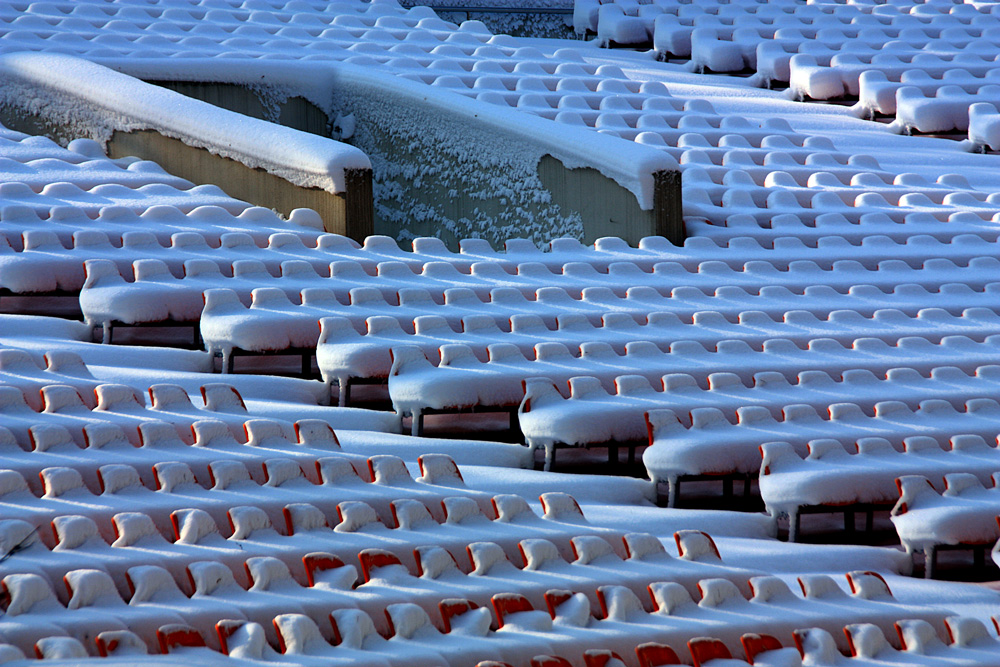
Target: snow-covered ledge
x,y
451,166
75,97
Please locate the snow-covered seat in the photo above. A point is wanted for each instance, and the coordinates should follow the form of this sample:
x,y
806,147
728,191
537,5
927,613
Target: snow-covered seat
x,y
95,592
30,610
153,587
355,630
215,581
963,514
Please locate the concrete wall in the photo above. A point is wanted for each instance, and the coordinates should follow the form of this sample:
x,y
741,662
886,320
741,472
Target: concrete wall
x,y
347,213
614,211
445,175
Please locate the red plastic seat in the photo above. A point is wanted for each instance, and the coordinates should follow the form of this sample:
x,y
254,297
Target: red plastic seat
x,y
177,635
318,562
226,628
453,607
653,654
704,649
550,661
754,644
554,598
372,559
509,603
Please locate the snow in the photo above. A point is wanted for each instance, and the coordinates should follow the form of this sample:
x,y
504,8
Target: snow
x,y
245,506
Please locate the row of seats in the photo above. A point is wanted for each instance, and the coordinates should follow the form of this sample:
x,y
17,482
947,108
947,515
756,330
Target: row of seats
x,y
777,58
837,224
328,481
18,368
344,354
39,163
627,21
877,92
222,229
463,380
515,627
156,296
125,407
288,499
91,190
243,643
273,323
948,109
713,445
160,220
591,416
576,265
927,70
45,265
42,248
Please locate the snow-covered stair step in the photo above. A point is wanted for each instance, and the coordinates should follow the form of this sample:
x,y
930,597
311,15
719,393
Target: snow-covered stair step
x,y
592,416
829,476
713,445
963,513
462,380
